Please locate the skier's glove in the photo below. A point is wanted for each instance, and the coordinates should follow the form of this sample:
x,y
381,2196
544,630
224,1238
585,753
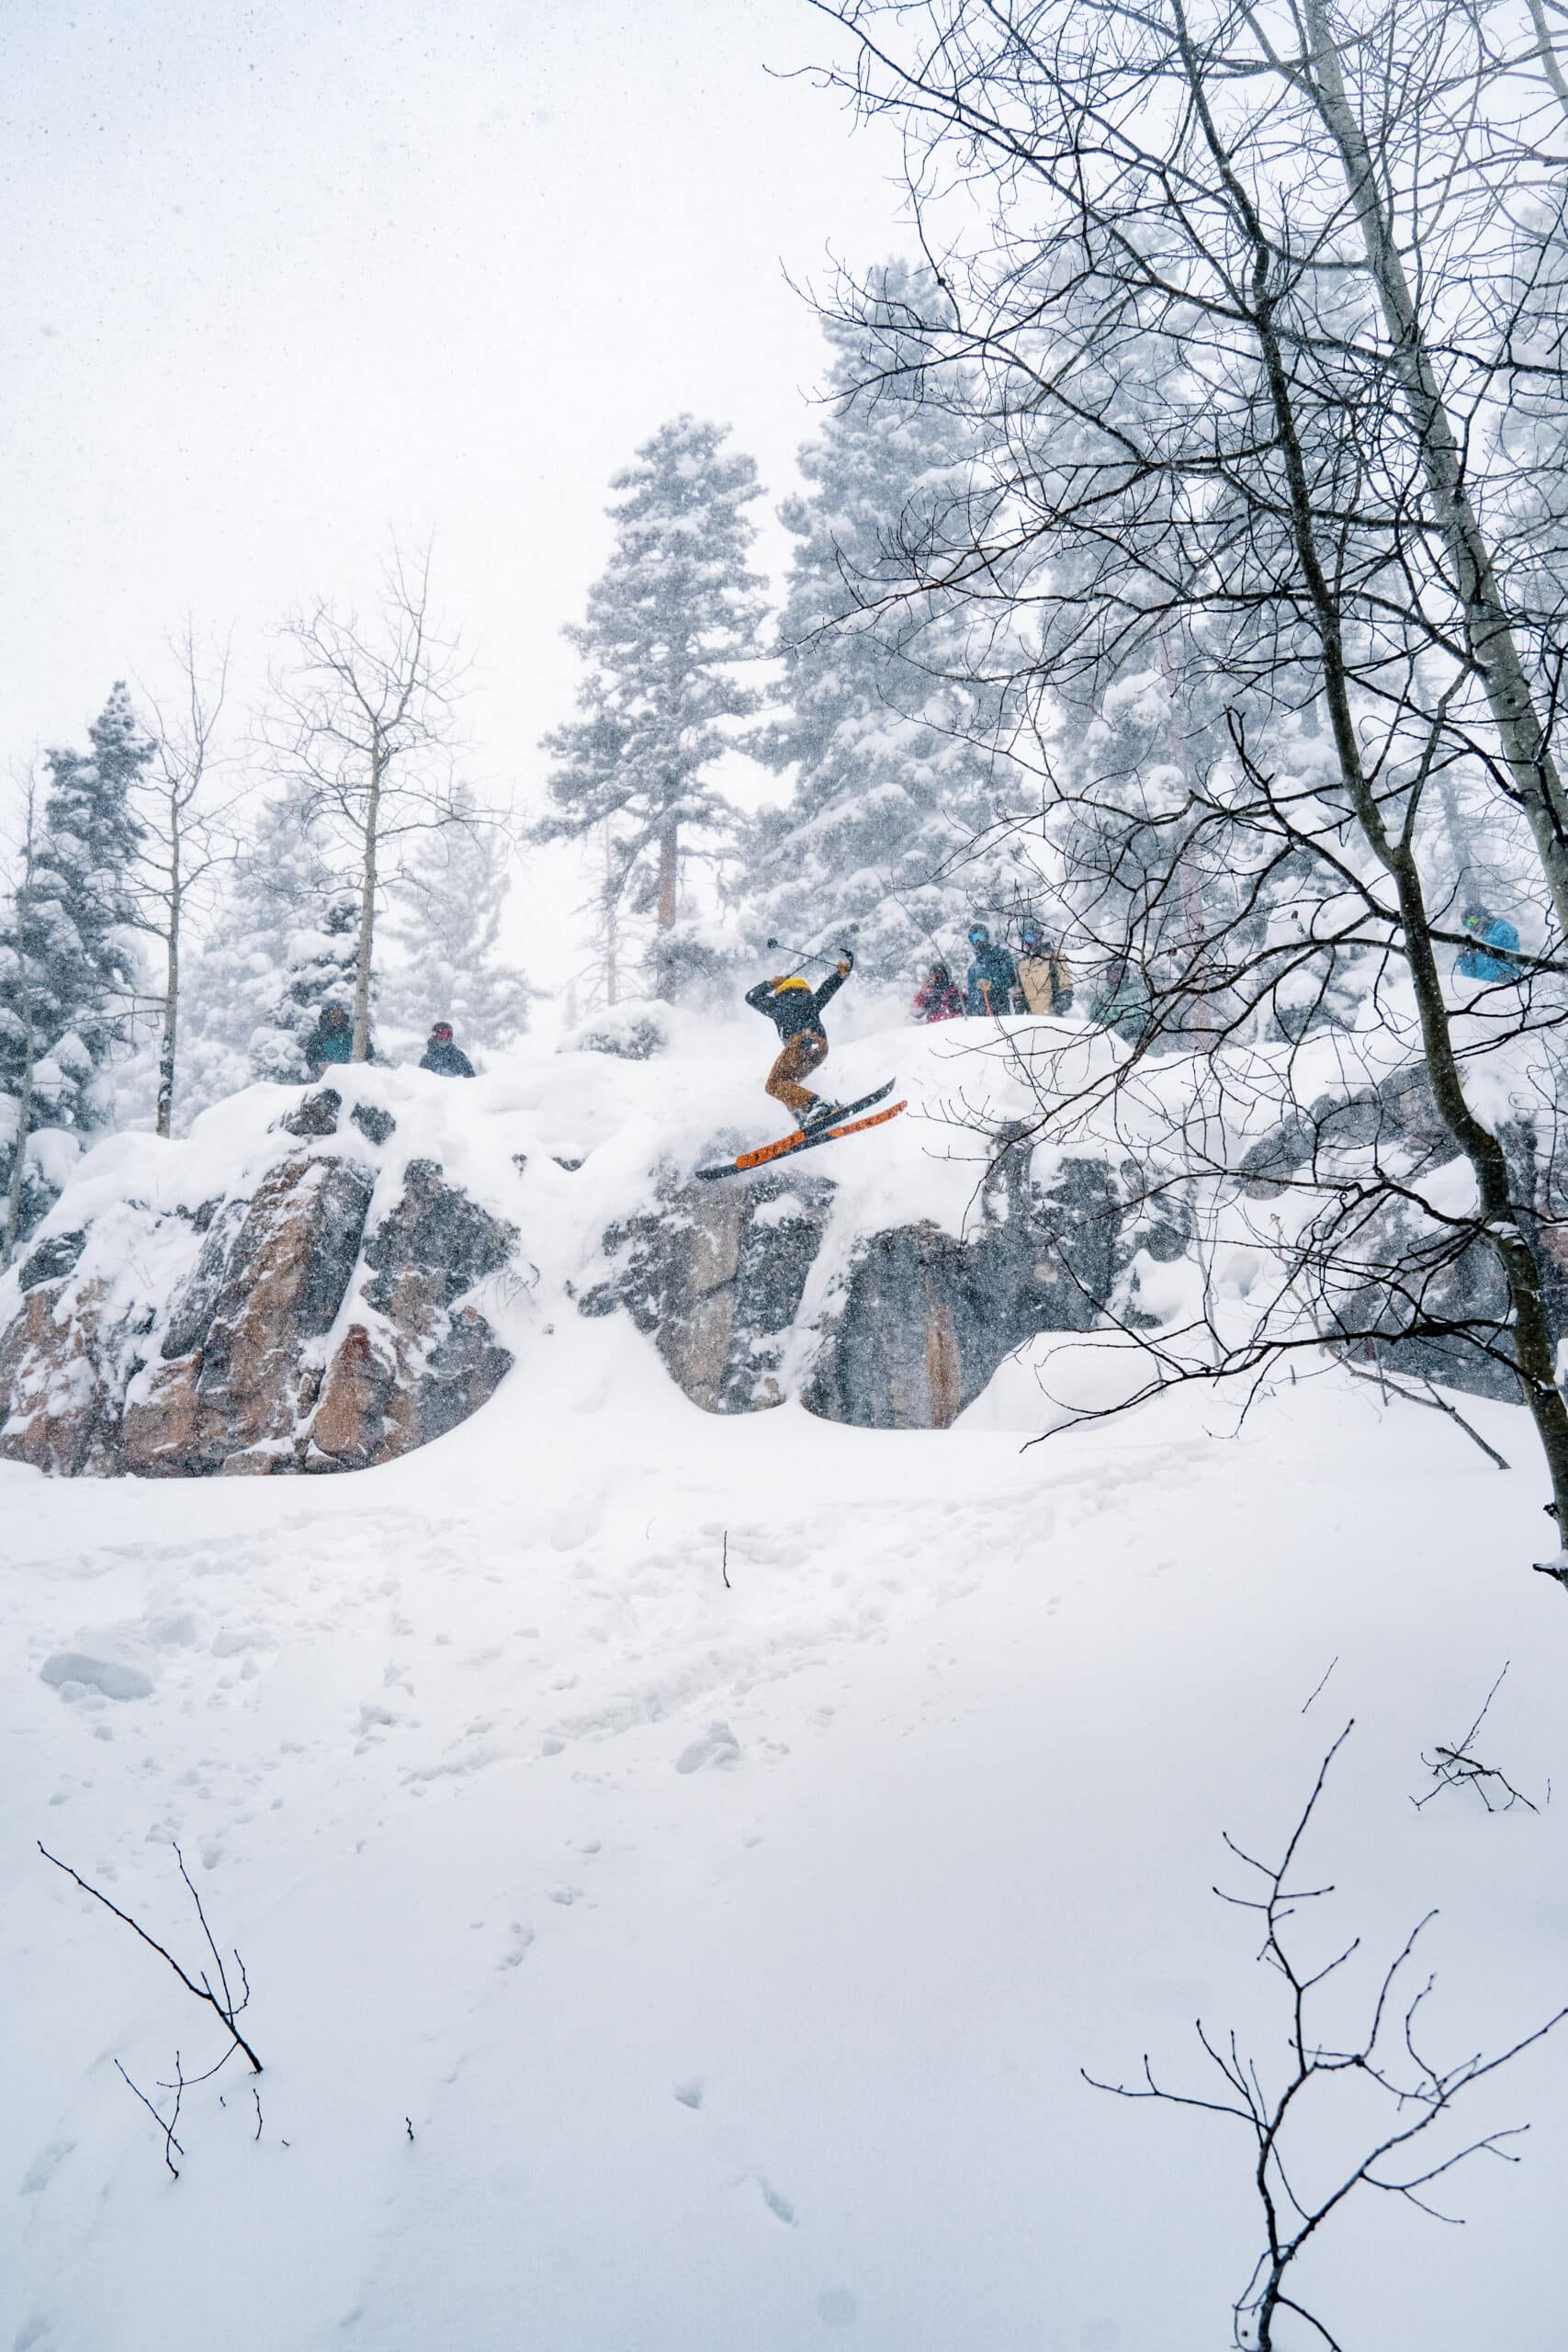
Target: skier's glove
x,y
846,963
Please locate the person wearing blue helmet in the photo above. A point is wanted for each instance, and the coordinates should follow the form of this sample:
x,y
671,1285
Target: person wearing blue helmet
x,y
1491,933
992,978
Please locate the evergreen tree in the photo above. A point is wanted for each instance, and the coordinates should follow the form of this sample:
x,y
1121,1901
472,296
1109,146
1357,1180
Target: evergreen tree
x,y
893,821
444,928
321,962
281,945
83,917
36,1088
671,626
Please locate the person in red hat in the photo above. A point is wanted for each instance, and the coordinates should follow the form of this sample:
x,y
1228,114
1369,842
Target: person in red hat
x,y
443,1057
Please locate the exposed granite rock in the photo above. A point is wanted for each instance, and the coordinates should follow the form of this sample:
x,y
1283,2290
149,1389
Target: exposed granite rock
x,y
316,1116
52,1259
419,1363
51,1389
226,1376
1398,1113
374,1124
915,1324
271,1277
191,1315
716,1277
924,1319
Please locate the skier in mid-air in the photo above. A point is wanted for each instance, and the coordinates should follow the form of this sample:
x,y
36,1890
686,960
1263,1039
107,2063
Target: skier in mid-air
x,y
795,1008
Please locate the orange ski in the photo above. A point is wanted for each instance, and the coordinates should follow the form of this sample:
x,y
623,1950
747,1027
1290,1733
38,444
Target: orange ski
x,y
798,1141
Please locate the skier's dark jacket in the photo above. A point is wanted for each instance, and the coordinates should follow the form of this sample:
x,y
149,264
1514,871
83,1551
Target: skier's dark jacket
x,y
793,1009
993,976
445,1059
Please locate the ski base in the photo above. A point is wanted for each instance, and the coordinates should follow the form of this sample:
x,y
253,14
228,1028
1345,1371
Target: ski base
x,y
846,1124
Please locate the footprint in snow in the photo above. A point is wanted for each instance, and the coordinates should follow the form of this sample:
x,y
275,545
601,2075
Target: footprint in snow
x,y
718,1746
690,2094
76,1676
44,2166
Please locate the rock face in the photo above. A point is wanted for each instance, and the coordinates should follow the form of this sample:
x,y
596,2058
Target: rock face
x,y
240,1373
912,1326
302,1331
55,1382
717,1278
924,1319
1449,1319
419,1362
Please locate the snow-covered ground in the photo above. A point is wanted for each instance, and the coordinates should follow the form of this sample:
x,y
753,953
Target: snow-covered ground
x,y
731,1950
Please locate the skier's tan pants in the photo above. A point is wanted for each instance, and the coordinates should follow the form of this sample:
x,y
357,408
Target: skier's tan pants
x,y
807,1051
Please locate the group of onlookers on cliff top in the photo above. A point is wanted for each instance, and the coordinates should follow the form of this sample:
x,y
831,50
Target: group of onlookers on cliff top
x,y
1039,979
331,1040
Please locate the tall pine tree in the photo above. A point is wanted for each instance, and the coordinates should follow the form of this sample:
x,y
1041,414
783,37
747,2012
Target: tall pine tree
x,y
72,927
672,626
36,1090
892,822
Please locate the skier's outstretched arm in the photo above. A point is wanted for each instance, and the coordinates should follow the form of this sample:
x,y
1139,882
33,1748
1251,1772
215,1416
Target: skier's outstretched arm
x,y
757,998
834,981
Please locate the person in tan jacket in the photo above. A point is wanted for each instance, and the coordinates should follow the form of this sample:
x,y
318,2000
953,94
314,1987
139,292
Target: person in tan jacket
x,y
1044,979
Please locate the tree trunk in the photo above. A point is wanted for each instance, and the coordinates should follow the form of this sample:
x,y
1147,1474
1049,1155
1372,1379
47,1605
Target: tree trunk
x,y
168,1043
366,946
1548,53
1461,842
1531,1333
24,1128
668,873
1488,631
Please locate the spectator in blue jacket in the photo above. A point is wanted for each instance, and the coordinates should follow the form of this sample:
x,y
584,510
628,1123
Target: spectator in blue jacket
x,y
1489,931
992,977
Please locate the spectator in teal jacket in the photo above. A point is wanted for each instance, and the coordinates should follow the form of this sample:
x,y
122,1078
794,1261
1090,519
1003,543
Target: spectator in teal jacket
x,y
331,1040
1489,931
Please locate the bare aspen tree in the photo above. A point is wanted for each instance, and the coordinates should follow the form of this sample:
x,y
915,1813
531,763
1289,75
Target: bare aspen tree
x,y
1222,465
1490,636
1546,48
363,721
183,807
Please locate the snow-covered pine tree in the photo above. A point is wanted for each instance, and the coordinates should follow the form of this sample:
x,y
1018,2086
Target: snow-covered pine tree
x,y
280,945
81,890
892,823
671,625
321,968
442,936
35,1090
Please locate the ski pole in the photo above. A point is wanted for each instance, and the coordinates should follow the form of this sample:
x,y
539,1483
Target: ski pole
x,y
813,955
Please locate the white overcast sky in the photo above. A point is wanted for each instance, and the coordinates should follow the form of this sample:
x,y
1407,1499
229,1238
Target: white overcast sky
x,y
282,278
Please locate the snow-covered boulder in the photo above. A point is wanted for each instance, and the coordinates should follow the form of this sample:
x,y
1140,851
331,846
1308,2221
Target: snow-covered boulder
x,y
750,1291
716,1277
315,1310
